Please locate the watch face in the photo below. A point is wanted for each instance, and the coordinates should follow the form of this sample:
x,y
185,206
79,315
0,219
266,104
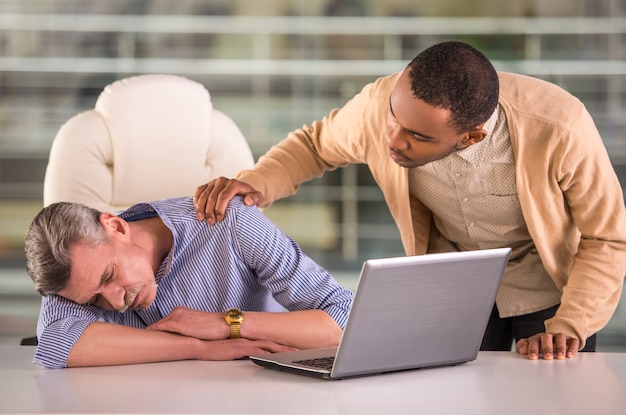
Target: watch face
x,y
234,314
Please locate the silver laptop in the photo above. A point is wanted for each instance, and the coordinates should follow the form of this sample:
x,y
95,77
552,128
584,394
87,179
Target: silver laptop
x,y
408,313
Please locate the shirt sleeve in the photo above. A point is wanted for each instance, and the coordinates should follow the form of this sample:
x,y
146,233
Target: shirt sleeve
x,y
61,322
294,279
344,136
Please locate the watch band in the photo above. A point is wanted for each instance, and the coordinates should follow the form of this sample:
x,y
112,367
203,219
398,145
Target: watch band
x,y
235,330
234,318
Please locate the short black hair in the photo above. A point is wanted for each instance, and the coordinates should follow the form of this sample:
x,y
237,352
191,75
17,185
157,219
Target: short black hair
x,y
456,76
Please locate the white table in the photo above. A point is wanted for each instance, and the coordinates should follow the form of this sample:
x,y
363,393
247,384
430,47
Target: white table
x,y
495,383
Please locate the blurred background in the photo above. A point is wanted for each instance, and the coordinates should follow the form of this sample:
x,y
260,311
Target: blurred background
x,y
274,65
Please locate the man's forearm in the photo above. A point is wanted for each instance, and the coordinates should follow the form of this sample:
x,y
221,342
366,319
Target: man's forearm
x,y
104,344
304,329
279,172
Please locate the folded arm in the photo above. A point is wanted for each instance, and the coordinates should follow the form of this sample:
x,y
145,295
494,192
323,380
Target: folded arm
x,y
303,329
103,344
187,334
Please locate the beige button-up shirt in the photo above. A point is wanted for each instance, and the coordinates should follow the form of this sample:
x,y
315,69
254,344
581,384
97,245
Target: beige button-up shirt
x,y
475,183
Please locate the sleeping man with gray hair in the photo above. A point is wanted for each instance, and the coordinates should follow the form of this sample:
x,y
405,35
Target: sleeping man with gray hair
x,y
154,283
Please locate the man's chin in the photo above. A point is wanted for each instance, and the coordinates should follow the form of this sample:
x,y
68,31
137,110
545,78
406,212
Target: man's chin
x,y
403,161
408,164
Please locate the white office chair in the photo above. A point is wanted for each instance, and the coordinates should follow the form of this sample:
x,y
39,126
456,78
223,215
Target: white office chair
x,y
149,137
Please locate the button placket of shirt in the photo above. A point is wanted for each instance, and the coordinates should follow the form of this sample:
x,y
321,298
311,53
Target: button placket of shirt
x,y
463,191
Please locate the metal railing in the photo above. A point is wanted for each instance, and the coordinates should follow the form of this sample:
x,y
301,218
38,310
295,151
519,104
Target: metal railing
x,y
261,30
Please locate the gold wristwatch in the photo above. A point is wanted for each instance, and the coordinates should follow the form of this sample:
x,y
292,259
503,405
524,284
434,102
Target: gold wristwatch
x,y
234,318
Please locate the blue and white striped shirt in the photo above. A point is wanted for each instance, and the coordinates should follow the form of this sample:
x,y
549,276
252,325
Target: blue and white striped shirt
x,y
244,261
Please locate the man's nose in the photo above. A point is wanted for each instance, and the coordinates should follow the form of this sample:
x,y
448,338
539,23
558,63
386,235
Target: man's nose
x,y
115,295
395,139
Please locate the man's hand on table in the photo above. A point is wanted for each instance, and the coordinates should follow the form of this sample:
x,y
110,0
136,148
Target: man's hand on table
x,y
550,345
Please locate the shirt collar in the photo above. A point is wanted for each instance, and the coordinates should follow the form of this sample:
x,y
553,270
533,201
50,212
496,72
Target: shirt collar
x,y
475,153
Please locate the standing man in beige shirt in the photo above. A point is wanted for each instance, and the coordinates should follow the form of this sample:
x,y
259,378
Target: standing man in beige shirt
x,y
469,158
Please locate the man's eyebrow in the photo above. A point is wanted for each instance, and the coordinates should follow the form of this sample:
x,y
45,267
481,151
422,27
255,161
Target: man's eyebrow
x,y
427,137
106,276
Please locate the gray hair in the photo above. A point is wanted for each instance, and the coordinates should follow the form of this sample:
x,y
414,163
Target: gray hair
x,y
51,234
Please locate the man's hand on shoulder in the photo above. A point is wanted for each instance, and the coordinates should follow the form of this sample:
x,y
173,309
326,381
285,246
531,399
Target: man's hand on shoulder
x,y
550,345
211,199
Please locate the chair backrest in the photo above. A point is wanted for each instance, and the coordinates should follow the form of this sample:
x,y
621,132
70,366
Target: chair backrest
x,y
149,137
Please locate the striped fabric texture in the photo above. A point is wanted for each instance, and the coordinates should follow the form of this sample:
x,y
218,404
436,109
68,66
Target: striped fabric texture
x,y
244,261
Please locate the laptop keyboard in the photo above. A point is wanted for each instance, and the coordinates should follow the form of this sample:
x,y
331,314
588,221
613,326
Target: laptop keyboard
x,y
320,362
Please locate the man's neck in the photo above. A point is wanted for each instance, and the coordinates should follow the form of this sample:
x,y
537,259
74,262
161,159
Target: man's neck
x,y
154,237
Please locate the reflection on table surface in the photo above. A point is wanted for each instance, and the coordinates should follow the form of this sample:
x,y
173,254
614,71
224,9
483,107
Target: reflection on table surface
x,y
495,383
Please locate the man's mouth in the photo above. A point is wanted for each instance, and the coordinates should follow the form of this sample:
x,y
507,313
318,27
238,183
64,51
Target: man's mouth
x,y
398,158
135,301
132,300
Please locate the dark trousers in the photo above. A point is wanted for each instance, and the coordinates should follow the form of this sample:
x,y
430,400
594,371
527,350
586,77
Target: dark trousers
x,y
502,333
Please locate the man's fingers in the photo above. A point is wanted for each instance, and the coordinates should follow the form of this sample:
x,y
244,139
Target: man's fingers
x,y
201,199
211,199
198,195
560,346
241,348
547,346
217,199
572,347
205,197
533,347
522,347
528,347
253,199
550,345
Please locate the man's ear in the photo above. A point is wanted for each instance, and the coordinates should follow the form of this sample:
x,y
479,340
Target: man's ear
x,y
474,136
114,225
